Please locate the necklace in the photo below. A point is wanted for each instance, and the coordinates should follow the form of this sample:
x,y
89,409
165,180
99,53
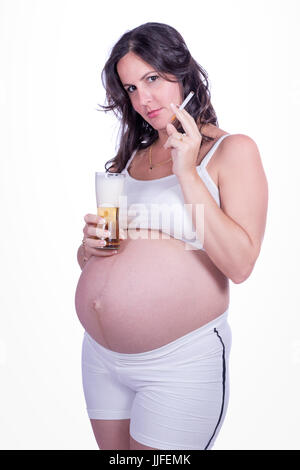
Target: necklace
x,y
156,164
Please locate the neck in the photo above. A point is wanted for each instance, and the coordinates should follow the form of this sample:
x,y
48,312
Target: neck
x,y
162,139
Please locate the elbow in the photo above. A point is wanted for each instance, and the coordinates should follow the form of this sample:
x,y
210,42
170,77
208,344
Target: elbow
x,y
242,275
239,280
245,268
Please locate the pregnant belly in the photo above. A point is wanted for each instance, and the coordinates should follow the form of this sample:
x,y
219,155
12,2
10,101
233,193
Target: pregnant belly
x,y
149,294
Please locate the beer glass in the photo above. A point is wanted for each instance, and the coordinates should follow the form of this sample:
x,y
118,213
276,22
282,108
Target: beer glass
x,y
109,189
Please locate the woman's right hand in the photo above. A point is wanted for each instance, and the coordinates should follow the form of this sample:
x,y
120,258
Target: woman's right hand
x,y
94,227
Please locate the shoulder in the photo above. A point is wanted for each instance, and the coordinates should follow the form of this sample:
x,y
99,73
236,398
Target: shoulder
x,y
237,150
239,139
241,176
239,157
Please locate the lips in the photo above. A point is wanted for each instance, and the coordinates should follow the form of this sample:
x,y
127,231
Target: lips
x,y
154,112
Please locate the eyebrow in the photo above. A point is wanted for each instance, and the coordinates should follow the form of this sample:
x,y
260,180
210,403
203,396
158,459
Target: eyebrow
x,y
142,78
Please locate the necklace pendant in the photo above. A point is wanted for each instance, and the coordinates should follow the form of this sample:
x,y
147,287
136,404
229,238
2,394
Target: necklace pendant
x,y
150,167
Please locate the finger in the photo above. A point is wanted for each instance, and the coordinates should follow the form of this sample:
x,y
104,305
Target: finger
x,y
85,229
171,129
191,120
93,243
122,234
93,219
187,121
98,232
175,141
99,252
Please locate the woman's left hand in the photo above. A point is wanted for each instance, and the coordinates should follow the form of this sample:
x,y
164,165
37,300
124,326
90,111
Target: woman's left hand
x,y
185,147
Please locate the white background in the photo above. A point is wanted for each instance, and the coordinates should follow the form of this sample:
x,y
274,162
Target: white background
x,y
52,142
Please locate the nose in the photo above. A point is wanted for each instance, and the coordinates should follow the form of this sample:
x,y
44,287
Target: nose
x,y
145,97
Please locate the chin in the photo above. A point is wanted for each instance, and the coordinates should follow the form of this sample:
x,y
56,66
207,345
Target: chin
x,y
160,127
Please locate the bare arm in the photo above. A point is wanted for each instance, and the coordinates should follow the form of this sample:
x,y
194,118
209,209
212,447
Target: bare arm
x,y
233,233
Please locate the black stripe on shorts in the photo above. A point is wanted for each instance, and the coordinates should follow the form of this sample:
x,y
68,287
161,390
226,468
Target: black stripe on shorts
x,y
223,383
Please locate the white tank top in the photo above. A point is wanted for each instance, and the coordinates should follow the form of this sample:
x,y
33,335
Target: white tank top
x,y
158,204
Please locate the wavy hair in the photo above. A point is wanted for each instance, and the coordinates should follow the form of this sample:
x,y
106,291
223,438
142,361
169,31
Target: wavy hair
x,y
161,46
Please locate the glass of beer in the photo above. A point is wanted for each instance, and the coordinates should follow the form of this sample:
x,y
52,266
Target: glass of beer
x,y
109,189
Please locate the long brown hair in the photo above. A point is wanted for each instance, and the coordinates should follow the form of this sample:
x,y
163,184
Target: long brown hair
x,y
161,46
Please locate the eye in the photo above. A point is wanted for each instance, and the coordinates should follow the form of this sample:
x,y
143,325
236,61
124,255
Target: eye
x,y
153,76
128,89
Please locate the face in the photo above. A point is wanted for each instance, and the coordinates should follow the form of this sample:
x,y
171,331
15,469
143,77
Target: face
x,y
148,91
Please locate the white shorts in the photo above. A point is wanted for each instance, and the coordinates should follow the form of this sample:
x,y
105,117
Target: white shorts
x,y
175,396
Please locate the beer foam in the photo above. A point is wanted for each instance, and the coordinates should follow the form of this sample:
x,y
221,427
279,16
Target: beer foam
x,y
109,188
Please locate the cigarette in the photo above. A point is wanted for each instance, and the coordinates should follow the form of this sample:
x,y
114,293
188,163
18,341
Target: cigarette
x,y
185,102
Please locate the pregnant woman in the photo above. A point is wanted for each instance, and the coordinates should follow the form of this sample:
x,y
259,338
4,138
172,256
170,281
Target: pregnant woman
x,y
157,341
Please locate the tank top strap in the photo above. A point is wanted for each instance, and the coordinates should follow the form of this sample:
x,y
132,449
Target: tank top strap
x,y
209,154
129,161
